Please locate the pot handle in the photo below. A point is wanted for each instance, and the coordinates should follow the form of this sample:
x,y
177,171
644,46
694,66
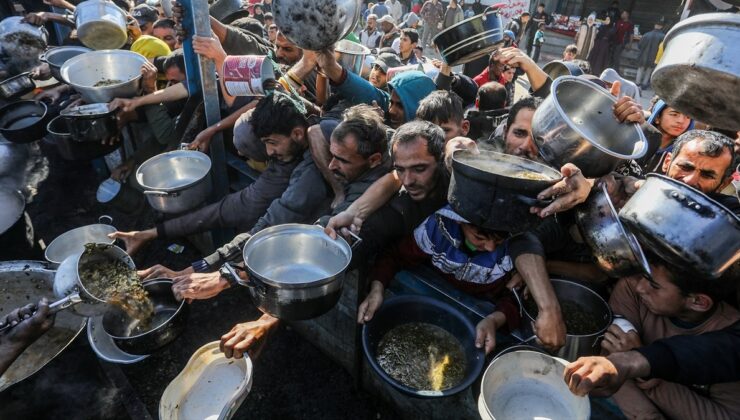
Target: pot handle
x,y
105,220
685,201
54,307
533,202
234,276
161,193
357,239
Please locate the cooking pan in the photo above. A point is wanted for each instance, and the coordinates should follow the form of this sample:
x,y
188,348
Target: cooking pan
x,y
70,149
91,123
57,56
17,86
683,226
471,39
698,52
24,121
400,310
170,318
316,25
487,189
24,282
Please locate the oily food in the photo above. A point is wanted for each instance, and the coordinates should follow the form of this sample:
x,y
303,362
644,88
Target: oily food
x,y
117,284
507,169
578,320
422,356
107,82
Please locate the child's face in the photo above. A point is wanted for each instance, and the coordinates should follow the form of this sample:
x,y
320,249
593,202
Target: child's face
x,y
478,240
509,74
568,56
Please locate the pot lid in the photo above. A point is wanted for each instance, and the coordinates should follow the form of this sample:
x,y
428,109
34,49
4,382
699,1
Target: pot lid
x,y
12,204
90,110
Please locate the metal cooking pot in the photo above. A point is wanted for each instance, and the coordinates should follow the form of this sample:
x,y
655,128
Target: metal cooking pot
x,y
56,57
400,310
486,190
296,271
169,320
72,242
699,50
683,226
67,281
318,24
12,205
227,11
101,25
177,181
471,39
529,384
86,70
575,345
24,282
576,124
120,195
557,68
21,43
70,149
351,55
17,86
24,121
615,248
91,123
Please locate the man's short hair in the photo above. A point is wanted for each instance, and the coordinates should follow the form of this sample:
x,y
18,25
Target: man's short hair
x,y
372,16
367,126
164,23
249,24
711,144
176,58
412,34
432,133
689,282
276,114
572,48
492,95
440,107
530,102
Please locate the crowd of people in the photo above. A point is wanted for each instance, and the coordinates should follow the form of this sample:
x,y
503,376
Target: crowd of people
x,y
371,153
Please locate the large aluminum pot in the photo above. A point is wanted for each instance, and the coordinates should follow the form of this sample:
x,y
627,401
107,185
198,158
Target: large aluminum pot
x,y
683,226
22,43
175,182
702,51
56,57
168,322
316,25
351,55
24,282
101,25
496,191
529,385
73,241
86,70
615,248
471,39
586,300
91,123
295,271
576,124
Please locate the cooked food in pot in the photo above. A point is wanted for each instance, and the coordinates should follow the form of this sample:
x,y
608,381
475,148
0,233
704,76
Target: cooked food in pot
x,y
107,82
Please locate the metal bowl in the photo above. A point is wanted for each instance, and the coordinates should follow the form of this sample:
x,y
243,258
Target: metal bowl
x,y
576,124
351,55
316,25
73,241
90,68
104,346
56,57
24,121
400,310
700,49
169,320
615,248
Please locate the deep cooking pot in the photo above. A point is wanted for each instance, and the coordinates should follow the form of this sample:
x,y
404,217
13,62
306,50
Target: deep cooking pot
x,y
168,322
351,55
489,189
529,385
615,248
17,86
21,43
101,25
227,11
57,56
177,181
683,226
699,73
70,149
86,70
399,310
24,121
557,68
576,124
295,271
575,345
470,39
91,123
73,241
316,25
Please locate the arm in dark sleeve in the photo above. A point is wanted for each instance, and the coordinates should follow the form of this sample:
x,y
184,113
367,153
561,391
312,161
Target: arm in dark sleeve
x,y
526,243
704,359
405,254
544,90
443,81
380,230
228,252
